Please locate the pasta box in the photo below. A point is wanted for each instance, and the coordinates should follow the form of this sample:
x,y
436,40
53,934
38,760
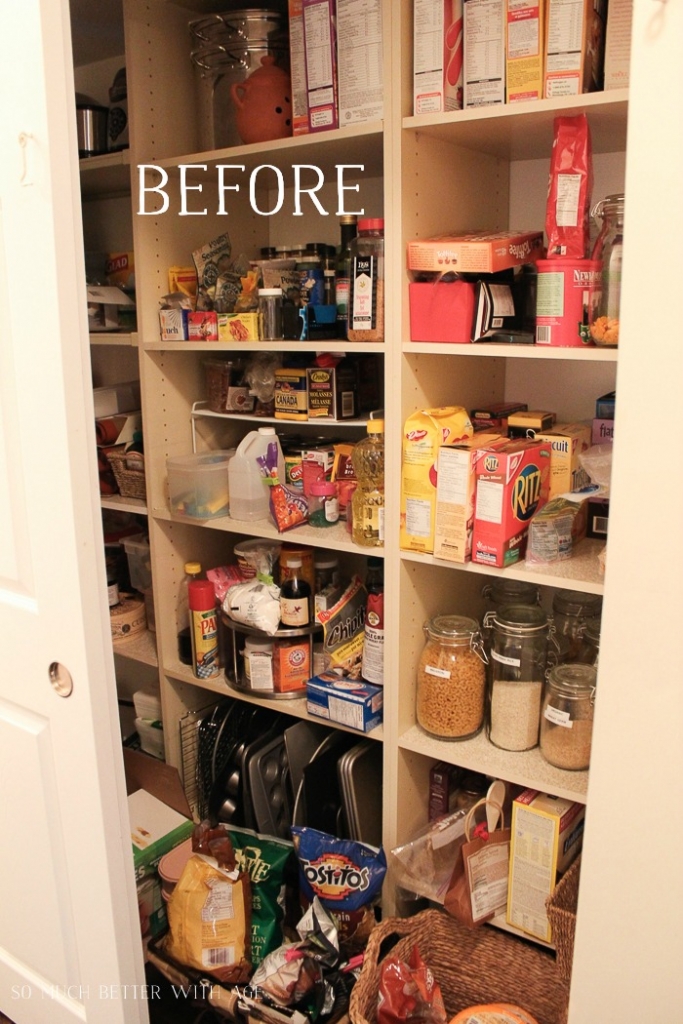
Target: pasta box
x,y
349,702
513,482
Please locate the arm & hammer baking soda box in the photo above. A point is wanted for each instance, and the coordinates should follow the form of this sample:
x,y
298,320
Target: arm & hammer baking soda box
x,y
512,484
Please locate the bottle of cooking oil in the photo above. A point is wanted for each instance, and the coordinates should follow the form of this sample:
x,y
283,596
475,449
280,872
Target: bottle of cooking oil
x,y
368,498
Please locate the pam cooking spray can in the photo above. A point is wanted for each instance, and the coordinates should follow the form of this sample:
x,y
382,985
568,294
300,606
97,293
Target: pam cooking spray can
x,y
203,628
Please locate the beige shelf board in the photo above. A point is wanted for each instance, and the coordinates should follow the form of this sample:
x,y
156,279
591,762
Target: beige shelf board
x,y
500,350
296,706
524,131
528,768
141,647
107,175
120,338
200,412
117,502
332,538
499,922
580,572
360,144
336,345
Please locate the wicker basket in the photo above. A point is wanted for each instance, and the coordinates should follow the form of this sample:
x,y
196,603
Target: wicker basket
x,y
130,479
475,966
561,907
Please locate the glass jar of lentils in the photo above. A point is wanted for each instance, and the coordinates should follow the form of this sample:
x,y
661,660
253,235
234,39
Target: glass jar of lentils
x,y
518,659
567,716
451,678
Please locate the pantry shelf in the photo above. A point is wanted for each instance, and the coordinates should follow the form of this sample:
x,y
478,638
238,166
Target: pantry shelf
x,y
114,338
141,647
120,504
580,572
105,176
335,345
199,411
499,350
524,131
527,768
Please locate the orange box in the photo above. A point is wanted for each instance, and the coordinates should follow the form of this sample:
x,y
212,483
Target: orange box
x,y
297,62
524,46
478,253
291,664
513,482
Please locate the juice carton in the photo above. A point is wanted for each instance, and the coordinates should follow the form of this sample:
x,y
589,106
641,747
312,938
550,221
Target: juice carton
x,y
512,484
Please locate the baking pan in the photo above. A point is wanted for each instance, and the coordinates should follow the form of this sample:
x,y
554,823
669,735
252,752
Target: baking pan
x,y
360,783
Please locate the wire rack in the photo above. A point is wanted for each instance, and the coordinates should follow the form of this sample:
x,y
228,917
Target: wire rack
x,y
189,726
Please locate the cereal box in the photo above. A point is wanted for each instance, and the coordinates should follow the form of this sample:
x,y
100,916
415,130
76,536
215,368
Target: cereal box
x,y
455,487
424,432
574,47
320,49
437,56
478,253
567,441
512,483
524,49
484,44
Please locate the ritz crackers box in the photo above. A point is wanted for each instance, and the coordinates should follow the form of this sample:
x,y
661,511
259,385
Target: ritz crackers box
x,y
512,483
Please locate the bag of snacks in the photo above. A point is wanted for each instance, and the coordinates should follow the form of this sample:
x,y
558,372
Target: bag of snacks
x,y
570,185
408,992
265,859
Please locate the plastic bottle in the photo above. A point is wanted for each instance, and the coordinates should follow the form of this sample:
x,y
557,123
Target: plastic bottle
x,y
368,498
366,283
249,492
295,598
373,642
203,628
193,571
342,275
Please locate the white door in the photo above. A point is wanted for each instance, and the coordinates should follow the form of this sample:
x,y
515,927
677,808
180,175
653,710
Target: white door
x,y
69,934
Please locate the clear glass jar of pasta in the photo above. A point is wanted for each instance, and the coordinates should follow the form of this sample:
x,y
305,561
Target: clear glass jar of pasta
x,y
451,678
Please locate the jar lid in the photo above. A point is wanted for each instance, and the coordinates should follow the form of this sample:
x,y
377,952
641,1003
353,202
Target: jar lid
x,y
375,427
521,619
323,487
253,644
326,562
574,679
193,568
268,431
511,591
270,291
371,224
293,563
574,602
452,627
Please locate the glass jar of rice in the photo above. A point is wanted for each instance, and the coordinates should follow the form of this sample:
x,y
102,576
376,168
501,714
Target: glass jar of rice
x,y
451,678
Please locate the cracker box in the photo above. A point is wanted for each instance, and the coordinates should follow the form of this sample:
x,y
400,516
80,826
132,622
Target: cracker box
x,y
618,44
349,702
525,27
547,833
423,434
512,484
320,48
455,487
359,61
437,56
477,253
484,42
574,47
567,441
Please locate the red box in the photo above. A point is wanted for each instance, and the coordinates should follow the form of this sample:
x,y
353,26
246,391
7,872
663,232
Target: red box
x,y
513,483
441,312
202,326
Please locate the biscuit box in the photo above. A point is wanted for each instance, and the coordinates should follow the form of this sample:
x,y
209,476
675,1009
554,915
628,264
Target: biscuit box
x,y
512,484
455,487
567,441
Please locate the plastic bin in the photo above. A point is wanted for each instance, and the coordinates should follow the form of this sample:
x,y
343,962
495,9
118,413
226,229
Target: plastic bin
x,y
139,565
198,484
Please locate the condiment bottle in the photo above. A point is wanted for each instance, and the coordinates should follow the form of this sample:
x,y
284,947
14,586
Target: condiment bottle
x,y
348,223
366,288
518,657
203,628
368,498
372,666
451,678
323,505
326,568
193,571
567,716
295,597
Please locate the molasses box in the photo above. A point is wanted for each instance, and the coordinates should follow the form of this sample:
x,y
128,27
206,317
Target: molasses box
x,y
513,483
478,253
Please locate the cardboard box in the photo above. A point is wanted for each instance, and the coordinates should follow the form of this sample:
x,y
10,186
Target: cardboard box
x,y
103,307
598,518
117,399
297,64
290,395
567,441
151,907
320,48
478,253
359,61
574,47
602,432
605,406
495,415
455,490
349,702
441,312
173,324
444,779
202,326
618,44
239,326
519,423
512,484
484,41
547,833
437,56
524,49
120,269
160,816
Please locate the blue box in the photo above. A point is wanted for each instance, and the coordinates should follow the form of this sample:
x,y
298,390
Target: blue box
x,y
349,702
604,406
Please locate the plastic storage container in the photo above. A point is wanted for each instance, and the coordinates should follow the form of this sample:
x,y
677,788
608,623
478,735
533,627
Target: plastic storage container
x,y
198,484
567,718
139,565
250,495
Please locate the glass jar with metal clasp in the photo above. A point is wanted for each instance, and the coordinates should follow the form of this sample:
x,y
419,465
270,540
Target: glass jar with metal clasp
x,y
567,716
451,678
608,249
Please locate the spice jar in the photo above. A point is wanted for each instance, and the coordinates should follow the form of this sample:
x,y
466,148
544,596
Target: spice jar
x,y
518,658
451,678
608,249
366,284
270,308
567,717
572,609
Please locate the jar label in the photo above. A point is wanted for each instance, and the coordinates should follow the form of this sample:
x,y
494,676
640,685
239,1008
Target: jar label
x,y
558,717
260,672
442,673
504,660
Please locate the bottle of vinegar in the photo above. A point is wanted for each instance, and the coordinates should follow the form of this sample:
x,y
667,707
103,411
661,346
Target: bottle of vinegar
x,y
368,498
373,640
295,597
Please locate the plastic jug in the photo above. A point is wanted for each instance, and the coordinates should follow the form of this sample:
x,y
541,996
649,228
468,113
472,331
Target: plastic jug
x,y
249,492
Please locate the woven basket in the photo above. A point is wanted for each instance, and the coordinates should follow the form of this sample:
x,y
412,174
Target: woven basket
x,y
561,908
481,965
130,480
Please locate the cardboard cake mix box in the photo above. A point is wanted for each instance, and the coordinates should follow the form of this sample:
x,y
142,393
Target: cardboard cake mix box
x,y
512,484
